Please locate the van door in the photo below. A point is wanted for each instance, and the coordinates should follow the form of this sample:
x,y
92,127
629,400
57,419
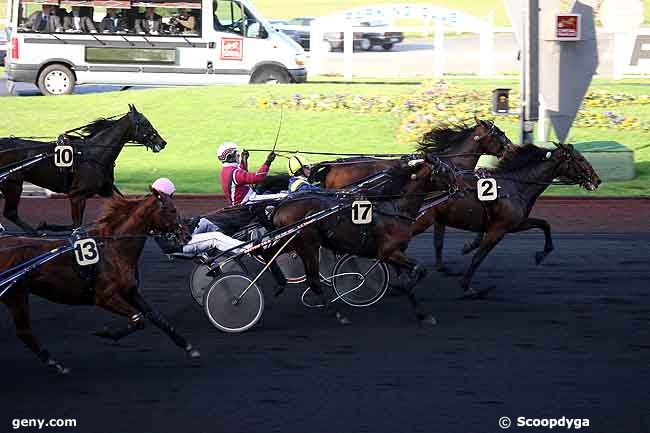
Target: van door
x,y
240,41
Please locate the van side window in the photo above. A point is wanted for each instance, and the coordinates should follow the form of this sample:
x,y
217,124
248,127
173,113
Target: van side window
x,y
167,19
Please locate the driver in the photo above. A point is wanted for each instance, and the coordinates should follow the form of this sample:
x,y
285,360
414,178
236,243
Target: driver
x,y
300,169
207,236
236,180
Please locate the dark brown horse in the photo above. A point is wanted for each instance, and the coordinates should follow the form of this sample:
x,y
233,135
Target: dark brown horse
x,y
112,285
386,238
522,176
459,145
100,144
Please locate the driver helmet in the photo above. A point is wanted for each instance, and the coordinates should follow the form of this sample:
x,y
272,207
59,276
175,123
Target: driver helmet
x,y
295,165
164,185
227,152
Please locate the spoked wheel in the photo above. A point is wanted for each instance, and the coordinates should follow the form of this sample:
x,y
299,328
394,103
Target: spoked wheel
x,y
355,290
200,280
233,303
291,265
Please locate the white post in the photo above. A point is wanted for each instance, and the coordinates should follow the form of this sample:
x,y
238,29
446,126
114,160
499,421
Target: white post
x,y
427,27
315,47
487,65
439,49
618,55
348,46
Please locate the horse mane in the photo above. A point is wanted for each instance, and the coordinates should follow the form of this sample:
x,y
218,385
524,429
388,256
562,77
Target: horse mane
x,y
97,126
116,211
520,157
443,137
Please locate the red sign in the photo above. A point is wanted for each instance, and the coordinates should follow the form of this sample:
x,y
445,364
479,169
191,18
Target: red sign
x,y
232,49
567,26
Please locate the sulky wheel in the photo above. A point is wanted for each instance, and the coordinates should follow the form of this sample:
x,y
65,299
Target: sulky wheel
x,y
346,278
200,280
230,306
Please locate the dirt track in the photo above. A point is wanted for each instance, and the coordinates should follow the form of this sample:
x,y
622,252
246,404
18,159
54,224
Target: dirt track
x,y
568,338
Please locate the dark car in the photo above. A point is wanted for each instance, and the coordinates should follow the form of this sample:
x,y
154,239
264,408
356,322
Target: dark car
x,y
301,28
368,39
3,47
281,25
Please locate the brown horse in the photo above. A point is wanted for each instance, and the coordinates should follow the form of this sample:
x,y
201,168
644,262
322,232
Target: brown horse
x,y
459,145
111,285
522,176
386,238
100,144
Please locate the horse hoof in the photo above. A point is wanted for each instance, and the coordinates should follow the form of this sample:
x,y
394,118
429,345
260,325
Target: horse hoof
x,y
192,353
60,368
471,293
428,320
539,257
103,333
342,319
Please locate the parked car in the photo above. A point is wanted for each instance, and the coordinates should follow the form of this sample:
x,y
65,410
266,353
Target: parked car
x,y
301,27
366,40
281,25
3,46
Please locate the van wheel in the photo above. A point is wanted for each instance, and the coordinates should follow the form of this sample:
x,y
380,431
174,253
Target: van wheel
x,y
365,44
271,75
56,79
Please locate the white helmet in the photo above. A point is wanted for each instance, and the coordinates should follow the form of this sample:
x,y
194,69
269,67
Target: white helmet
x,y
227,152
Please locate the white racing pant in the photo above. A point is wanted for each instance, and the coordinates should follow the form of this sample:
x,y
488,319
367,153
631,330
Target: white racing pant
x,y
207,236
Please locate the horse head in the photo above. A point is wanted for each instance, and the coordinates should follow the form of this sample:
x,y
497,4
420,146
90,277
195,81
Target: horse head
x,y
143,132
490,139
164,218
574,167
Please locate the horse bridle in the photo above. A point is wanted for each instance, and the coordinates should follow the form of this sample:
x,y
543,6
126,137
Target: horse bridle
x,y
138,135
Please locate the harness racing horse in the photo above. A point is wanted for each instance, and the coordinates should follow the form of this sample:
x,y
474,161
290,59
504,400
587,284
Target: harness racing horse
x,y
386,238
459,145
100,144
522,176
112,285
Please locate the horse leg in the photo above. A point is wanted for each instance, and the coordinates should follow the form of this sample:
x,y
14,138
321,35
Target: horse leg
x,y
417,272
471,246
308,252
439,242
77,208
489,241
18,304
12,191
163,324
115,303
538,223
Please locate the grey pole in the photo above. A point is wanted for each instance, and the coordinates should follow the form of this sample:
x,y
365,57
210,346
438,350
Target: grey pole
x,y
530,71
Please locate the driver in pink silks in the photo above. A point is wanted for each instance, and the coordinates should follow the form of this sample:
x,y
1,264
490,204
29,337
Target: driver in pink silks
x,y
206,235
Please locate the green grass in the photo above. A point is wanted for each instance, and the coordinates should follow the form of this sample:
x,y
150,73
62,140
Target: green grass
x,y
196,120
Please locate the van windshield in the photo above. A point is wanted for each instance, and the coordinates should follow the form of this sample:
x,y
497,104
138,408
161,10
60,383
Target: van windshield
x,y
231,16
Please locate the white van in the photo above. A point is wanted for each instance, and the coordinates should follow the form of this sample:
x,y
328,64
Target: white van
x,y
57,44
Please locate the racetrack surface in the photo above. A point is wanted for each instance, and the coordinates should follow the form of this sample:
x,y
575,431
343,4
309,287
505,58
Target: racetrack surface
x,y
568,338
